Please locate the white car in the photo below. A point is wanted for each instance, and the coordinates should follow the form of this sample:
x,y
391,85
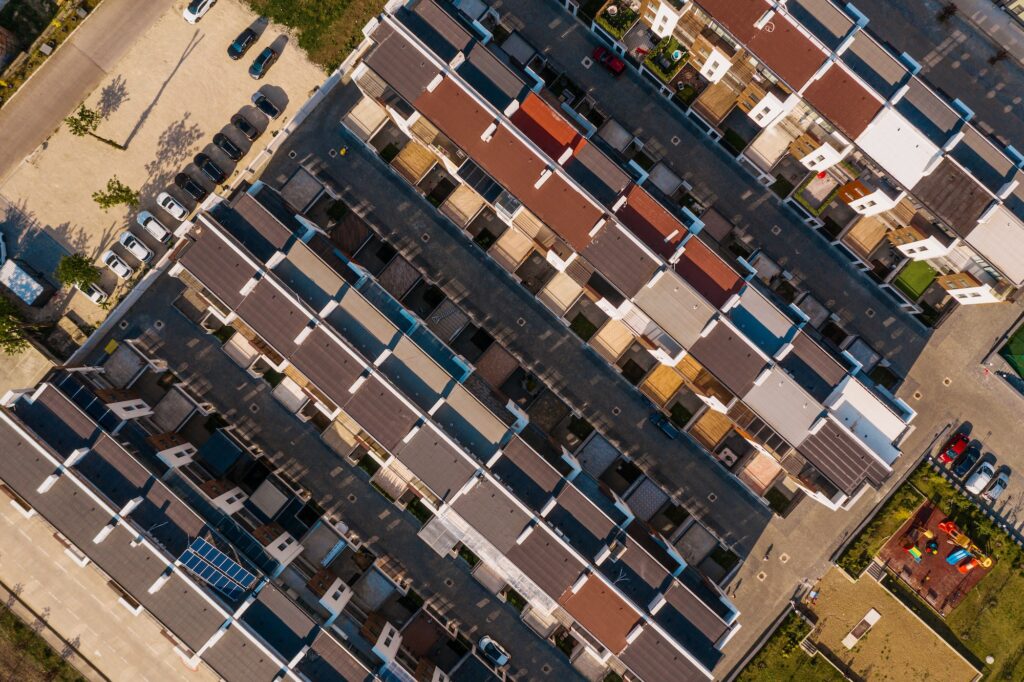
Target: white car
x,y
172,206
493,651
148,222
117,264
997,487
93,293
197,9
980,478
135,247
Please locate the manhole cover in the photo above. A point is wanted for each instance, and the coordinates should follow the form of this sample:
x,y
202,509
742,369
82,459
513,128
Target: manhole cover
x,y
521,322
784,558
547,668
947,381
918,395
159,324
449,582
352,498
425,237
587,62
776,230
712,497
870,312
675,140
761,576
254,408
616,411
292,154
123,324
330,152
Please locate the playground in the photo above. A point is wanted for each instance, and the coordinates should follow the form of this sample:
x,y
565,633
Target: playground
x,y
935,558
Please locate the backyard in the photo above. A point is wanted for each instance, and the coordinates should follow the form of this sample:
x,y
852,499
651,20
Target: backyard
x,y
1013,352
915,278
782,659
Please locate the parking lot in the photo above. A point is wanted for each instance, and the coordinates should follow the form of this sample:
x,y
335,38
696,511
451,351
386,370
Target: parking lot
x,y
169,95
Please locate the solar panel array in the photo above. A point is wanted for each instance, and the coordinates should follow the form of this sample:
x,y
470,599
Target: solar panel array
x,y
217,569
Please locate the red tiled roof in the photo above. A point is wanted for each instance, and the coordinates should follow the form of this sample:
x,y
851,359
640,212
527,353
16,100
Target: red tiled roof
x,y
736,15
603,613
707,273
841,99
787,51
510,162
546,127
651,222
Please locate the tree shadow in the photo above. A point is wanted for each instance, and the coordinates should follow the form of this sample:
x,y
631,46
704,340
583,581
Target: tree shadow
x,y
112,96
175,147
197,37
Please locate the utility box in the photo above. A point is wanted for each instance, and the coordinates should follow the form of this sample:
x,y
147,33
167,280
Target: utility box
x,y
27,283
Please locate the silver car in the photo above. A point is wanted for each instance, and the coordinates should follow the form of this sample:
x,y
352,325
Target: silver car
x,y
135,247
148,222
117,264
980,478
997,487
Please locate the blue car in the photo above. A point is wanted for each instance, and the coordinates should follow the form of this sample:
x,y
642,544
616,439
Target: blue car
x,y
262,63
242,44
966,462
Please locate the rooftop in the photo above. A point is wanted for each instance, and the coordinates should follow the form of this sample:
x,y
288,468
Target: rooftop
x,y
952,194
724,352
651,222
840,98
602,612
708,273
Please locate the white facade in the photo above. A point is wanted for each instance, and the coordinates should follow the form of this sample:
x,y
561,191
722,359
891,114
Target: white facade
x,y
876,201
770,109
899,147
665,19
926,249
999,237
873,423
823,157
716,66
982,293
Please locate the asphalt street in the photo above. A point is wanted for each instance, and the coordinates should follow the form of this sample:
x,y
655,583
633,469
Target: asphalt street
x,y
67,77
861,306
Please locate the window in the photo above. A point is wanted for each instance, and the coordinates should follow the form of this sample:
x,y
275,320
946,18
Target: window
x,y
820,158
336,595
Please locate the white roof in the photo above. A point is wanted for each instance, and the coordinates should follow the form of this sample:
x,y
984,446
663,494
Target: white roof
x,y
786,407
1000,239
868,418
899,147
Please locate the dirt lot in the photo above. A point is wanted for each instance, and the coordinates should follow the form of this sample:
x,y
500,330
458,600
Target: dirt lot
x,y
172,92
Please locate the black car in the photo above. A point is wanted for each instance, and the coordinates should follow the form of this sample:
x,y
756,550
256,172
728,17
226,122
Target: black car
x,y
262,63
230,149
211,170
260,101
193,188
963,465
242,44
250,131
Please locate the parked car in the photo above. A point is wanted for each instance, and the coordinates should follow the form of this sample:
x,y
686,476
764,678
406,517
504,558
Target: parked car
x,y
230,149
94,293
980,478
260,101
259,67
208,168
250,131
242,43
194,189
954,448
135,247
197,9
153,227
171,206
117,264
607,59
666,426
997,487
493,651
967,461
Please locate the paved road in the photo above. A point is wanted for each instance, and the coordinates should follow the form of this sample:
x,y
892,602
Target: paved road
x,y
73,71
297,448
543,344
954,57
819,267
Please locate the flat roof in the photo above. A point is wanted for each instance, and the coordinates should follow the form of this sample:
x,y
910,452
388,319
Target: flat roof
x,y
395,59
168,519
724,352
580,521
899,147
954,196
835,452
787,51
471,422
52,414
986,162
236,657
329,661
596,173
768,327
416,374
491,77
112,471
873,63
381,413
490,510
545,127
1000,239
526,473
218,265
183,611
738,16
436,462
436,28
784,405
308,276
928,112
812,367
260,219
602,612
636,573
706,272
651,222
327,364
840,98
822,18
279,621
620,260
546,561
274,316
676,307
655,658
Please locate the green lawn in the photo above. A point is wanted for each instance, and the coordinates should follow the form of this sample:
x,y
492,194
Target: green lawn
x,y
782,659
26,657
1013,352
915,278
890,517
328,29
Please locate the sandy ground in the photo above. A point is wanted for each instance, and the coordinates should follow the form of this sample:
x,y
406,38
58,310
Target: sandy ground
x,y
173,90
23,370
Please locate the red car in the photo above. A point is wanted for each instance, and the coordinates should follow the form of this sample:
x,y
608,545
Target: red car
x,y
954,448
607,59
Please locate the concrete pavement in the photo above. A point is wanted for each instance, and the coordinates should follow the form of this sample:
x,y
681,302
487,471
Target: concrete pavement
x,y
862,307
70,74
296,447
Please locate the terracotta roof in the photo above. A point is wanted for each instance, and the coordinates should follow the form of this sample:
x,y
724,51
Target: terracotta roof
x,y
707,273
737,15
787,51
840,98
602,612
510,162
651,222
545,127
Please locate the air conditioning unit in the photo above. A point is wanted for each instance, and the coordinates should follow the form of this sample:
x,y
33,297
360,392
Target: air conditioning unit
x,y
727,457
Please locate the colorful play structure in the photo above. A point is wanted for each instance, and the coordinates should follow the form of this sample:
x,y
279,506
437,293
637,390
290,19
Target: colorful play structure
x,y
966,555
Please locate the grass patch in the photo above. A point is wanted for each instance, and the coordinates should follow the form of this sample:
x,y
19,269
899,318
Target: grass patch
x,y
858,554
583,327
679,415
617,25
466,555
660,62
915,278
686,95
733,141
884,377
368,464
419,510
411,600
25,656
777,500
273,377
566,643
782,187
328,29
515,600
782,659
1013,352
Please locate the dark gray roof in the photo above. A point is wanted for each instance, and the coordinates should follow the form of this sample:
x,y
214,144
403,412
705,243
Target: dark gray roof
x,y
875,65
22,466
582,523
821,18
183,611
928,112
655,659
436,28
52,414
308,276
220,268
546,562
986,162
279,621
399,63
954,196
381,413
620,260
690,606
329,366
490,77
727,355
840,457
135,569
526,473
636,573
816,370
166,519
328,661
493,514
676,307
437,463
262,221
598,174
274,316
112,471
236,657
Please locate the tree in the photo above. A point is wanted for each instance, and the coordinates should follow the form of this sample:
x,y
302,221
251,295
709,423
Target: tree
x,y
117,193
77,269
12,328
84,122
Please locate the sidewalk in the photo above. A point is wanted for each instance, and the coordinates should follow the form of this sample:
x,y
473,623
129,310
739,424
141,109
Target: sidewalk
x,y
992,20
